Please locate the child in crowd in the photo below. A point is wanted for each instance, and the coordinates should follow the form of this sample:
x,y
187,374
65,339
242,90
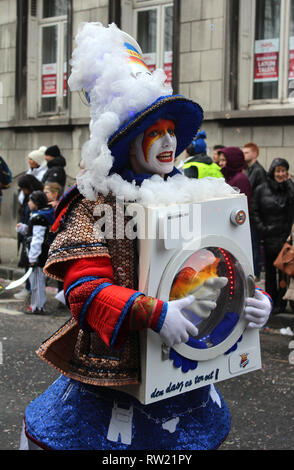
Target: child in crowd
x,y
36,234
53,192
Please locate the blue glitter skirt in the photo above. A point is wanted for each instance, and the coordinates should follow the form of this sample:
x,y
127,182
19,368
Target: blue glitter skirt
x,y
70,415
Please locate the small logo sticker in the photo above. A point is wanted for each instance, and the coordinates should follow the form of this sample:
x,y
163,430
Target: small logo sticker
x,y
240,217
244,360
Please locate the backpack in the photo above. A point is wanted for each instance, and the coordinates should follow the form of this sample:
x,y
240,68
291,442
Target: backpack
x,y
5,173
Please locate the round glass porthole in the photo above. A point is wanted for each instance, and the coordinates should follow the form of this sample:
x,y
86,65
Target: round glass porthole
x,y
214,274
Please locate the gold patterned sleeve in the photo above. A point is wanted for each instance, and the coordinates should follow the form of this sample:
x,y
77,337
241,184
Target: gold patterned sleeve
x,y
75,239
147,312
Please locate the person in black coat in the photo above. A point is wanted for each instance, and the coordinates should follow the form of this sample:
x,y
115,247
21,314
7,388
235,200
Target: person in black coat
x,y
272,210
254,171
55,167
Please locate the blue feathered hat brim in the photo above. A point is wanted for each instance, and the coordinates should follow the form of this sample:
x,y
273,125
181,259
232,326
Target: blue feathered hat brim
x,y
186,114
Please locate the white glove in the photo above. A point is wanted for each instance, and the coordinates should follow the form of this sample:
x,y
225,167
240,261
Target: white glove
x,y
176,328
206,296
257,309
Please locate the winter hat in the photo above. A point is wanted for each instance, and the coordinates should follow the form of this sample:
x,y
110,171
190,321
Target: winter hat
x,y
53,151
277,162
235,161
124,100
39,198
235,158
199,143
38,156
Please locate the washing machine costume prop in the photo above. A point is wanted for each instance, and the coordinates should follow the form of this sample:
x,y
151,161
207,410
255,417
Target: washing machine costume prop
x,y
157,319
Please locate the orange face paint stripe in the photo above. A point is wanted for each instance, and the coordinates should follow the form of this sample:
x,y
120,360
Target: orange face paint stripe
x,y
161,127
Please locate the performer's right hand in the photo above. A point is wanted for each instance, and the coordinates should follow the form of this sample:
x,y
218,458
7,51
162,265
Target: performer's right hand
x,y
176,328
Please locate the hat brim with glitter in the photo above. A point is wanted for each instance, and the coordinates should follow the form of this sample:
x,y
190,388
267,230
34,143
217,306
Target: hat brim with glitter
x,y
186,114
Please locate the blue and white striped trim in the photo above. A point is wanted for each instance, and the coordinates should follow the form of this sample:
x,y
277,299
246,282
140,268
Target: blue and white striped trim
x,y
122,317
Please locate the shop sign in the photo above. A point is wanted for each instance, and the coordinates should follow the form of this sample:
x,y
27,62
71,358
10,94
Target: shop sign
x,y
266,60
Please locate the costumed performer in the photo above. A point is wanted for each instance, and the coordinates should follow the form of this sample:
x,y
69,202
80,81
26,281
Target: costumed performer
x,y
137,127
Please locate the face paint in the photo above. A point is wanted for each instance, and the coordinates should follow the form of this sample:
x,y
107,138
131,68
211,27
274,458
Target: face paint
x,y
154,150
155,132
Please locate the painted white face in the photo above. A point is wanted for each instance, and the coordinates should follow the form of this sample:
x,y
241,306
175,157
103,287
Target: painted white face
x,y
153,151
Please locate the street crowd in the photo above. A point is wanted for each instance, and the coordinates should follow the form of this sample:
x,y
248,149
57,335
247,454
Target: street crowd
x,y
270,196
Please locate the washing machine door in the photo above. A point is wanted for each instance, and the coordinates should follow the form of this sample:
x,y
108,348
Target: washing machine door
x,y
220,329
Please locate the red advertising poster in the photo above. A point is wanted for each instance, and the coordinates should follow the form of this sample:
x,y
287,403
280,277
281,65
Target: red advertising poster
x,y
49,82
64,79
266,60
64,84
291,58
150,61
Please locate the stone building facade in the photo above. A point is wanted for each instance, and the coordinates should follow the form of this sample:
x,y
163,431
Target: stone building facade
x,y
210,50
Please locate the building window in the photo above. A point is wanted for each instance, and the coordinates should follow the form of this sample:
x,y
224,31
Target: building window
x,y
153,29
53,56
273,74
47,57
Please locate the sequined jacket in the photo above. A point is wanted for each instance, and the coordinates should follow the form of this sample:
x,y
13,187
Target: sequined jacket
x,y
100,344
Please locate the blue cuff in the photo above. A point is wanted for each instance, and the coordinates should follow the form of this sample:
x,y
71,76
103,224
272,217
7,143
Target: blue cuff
x,y
122,317
88,302
161,317
78,283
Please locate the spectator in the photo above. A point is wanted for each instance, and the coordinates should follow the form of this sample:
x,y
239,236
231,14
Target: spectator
x,y
55,167
27,184
199,164
53,192
216,152
256,175
272,212
254,170
37,167
37,163
35,234
232,164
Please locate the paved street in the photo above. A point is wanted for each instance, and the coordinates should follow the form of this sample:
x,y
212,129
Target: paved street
x,y
261,402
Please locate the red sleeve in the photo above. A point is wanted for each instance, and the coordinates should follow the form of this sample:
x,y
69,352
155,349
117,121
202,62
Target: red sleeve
x,y
110,310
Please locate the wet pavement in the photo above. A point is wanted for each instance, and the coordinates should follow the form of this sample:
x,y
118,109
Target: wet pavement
x,y
261,402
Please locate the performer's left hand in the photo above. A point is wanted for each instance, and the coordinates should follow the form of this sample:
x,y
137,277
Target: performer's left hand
x,y
257,309
206,296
